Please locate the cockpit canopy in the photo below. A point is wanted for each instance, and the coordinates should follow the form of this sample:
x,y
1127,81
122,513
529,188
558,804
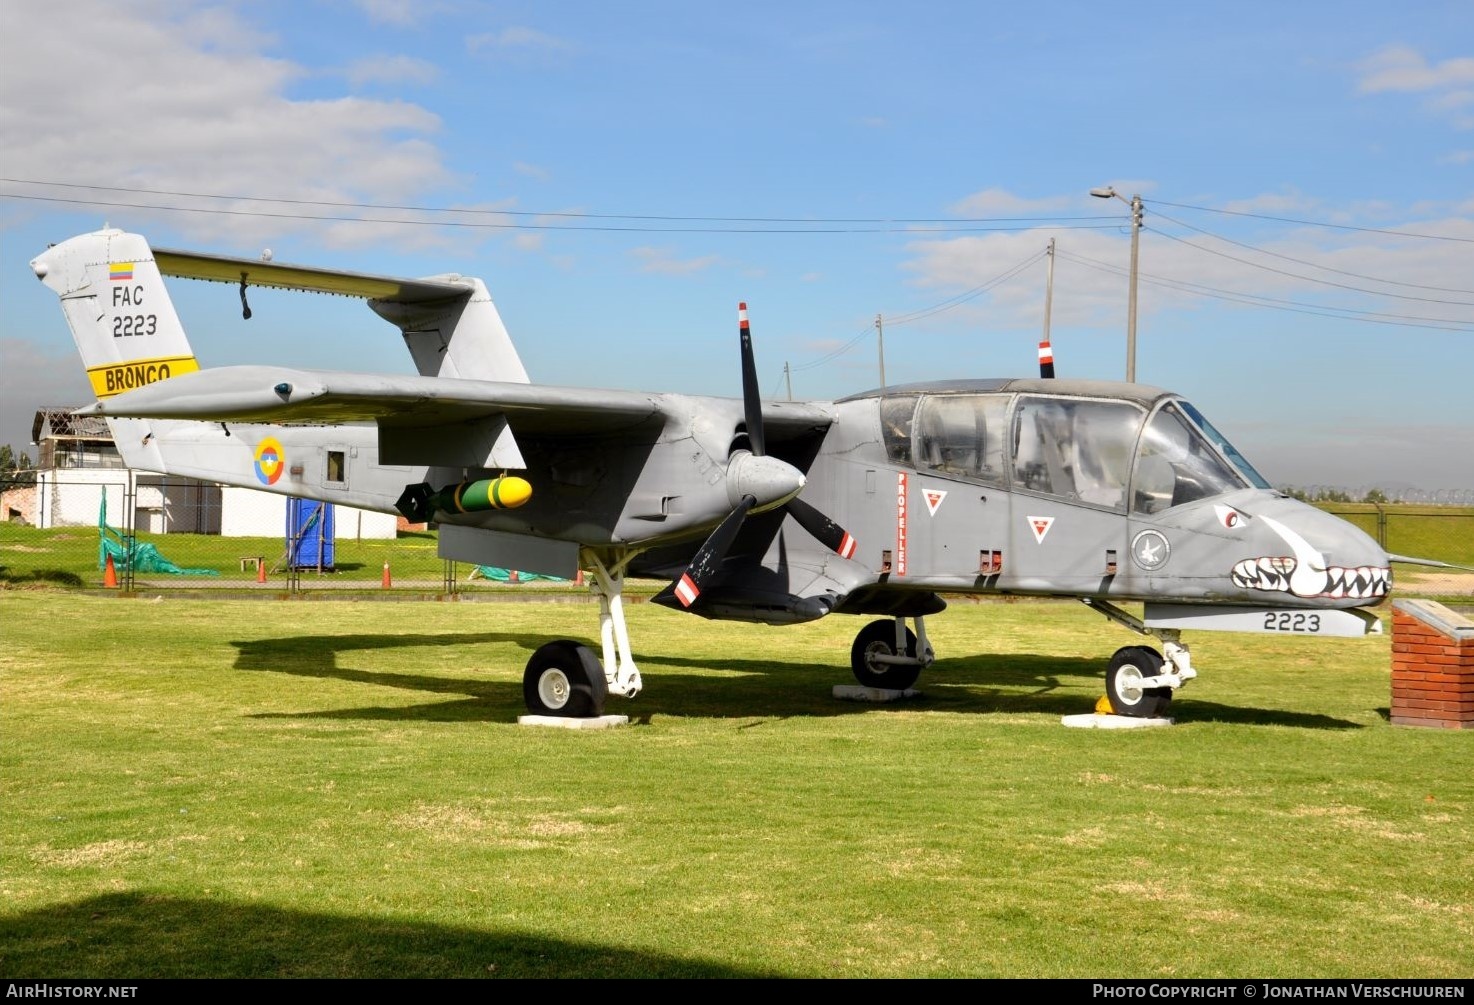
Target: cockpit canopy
x,y
1112,453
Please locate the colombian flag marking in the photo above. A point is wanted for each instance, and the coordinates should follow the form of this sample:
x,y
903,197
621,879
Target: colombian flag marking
x,y
270,460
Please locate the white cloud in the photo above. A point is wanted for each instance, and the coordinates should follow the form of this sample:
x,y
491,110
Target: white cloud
x,y
391,70
531,171
1092,268
1273,202
402,13
517,39
1403,68
997,202
200,107
662,260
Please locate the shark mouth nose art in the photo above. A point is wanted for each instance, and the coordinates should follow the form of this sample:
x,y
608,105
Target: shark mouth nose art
x,y
1285,574
1306,574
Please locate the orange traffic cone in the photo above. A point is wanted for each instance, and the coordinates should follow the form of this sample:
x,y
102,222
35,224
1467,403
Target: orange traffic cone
x,y
512,576
578,579
386,575
110,574
261,570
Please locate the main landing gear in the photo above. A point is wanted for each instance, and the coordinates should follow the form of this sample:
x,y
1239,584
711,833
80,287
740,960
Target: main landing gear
x,y
888,655
565,678
1140,681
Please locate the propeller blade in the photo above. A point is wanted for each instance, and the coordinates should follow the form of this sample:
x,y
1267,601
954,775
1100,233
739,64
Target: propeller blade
x,y
828,533
752,401
708,557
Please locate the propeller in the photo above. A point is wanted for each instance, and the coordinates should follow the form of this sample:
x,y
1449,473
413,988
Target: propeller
x,y
752,475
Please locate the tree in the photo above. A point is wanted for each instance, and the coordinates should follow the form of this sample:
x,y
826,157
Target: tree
x,y
15,468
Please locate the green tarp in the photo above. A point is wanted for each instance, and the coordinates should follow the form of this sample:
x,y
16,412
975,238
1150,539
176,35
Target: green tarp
x,y
140,556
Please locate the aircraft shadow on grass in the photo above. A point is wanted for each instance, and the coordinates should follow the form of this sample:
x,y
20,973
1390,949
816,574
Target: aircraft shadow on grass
x,y
139,935
766,688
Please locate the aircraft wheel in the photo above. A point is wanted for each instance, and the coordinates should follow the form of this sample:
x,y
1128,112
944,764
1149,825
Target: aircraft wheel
x,y
564,678
1128,668
879,639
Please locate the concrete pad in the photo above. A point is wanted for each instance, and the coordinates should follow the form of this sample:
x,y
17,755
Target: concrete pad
x,y
564,722
1096,720
858,692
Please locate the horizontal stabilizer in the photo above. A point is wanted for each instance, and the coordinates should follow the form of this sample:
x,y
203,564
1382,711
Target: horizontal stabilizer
x,y
256,272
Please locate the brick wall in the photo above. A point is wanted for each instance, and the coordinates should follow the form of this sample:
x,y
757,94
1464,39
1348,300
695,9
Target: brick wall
x,y
19,502
1432,666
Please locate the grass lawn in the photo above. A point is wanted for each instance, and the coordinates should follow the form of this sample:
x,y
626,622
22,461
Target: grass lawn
x,y
259,788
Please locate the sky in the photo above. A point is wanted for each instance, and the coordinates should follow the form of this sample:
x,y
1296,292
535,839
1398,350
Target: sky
x,y
621,175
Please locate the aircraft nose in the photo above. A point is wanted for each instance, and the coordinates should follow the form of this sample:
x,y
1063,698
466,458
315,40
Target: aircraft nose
x,y
1319,555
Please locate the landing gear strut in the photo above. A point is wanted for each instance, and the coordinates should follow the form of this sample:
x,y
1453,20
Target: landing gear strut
x,y
565,678
888,655
1140,681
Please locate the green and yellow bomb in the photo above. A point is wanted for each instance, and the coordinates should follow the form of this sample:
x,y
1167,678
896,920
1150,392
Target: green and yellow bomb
x,y
505,492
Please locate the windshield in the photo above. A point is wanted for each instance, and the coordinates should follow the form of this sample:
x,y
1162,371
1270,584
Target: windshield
x,y
1177,464
1229,451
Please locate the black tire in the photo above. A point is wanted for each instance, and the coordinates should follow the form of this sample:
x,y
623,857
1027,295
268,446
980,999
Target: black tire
x,y
879,639
565,679
1124,691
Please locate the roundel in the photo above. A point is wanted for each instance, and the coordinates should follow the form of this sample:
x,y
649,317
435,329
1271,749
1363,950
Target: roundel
x,y
270,460
1150,550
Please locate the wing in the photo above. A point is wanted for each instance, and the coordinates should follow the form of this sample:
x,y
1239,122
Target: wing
x,y
430,420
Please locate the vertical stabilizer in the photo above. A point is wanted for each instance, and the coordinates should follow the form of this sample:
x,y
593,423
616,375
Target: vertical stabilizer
x,y
120,314
460,336
123,322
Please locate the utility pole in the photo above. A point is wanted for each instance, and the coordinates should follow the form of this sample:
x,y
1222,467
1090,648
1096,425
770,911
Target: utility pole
x,y
1136,214
1131,308
1049,289
1046,351
880,344
788,380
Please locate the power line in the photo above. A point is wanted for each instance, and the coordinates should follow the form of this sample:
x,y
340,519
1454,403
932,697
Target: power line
x,y
1315,223
1313,265
804,224
926,312
1309,279
1272,303
961,298
835,354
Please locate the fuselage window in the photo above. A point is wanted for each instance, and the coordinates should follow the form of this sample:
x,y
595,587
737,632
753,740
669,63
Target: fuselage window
x,y
1078,450
336,470
961,434
895,426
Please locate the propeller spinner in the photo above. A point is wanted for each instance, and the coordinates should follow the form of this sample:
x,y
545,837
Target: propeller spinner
x,y
756,483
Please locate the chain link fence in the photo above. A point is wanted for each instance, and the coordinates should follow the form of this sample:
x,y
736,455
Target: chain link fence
x,y
171,533
161,533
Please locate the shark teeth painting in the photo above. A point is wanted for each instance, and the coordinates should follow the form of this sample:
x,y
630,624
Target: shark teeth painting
x,y
1306,574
